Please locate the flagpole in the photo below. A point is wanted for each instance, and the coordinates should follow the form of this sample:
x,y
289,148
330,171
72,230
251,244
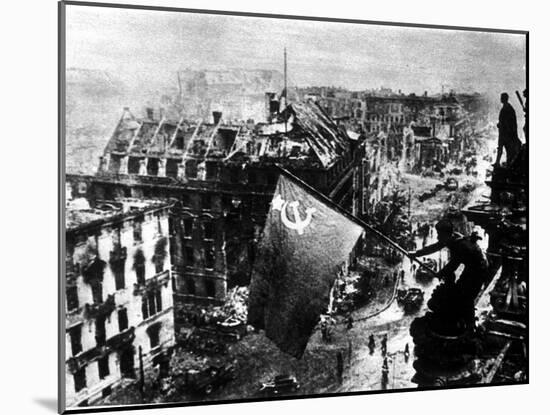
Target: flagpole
x,y
353,218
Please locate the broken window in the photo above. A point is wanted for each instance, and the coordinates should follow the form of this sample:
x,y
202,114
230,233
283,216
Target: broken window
x,y
100,333
106,392
144,308
154,332
186,200
206,201
103,367
117,267
72,297
191,286
159,224
234,175
137,231
208,228
189,256
151,303
188,227
122,319
158,300
210,286
160,254
191,169
210,171
139,266
80,379
209,258
127,363
75,333
97,291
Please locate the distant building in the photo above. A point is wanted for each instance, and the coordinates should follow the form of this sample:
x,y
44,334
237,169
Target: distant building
x,y
119,302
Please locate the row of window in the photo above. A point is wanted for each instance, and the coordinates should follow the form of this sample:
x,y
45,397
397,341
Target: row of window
x,y
75,333
118,270
97,286
208,255
79,377
207,228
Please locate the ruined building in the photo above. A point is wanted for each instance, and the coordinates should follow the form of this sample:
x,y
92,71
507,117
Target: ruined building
x,y
119,303
221,177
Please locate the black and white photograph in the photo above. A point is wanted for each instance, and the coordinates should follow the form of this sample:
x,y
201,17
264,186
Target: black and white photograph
x,y
259,207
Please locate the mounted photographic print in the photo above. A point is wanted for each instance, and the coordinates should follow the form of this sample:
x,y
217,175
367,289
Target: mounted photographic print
x,y
259,207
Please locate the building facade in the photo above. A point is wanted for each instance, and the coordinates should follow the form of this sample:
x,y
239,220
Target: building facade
x,y
119,304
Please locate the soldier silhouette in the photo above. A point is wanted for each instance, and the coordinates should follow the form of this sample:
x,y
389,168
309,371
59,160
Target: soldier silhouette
x,y
507,132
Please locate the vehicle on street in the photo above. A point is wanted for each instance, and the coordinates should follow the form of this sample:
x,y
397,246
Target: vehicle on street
x,y
280,384
205,381
423,275
232,328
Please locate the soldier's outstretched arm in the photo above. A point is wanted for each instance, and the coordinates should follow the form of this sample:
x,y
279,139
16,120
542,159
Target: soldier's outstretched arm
x,y
427,250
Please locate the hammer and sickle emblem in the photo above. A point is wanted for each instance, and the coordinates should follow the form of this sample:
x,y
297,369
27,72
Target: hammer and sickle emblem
x,y
298,225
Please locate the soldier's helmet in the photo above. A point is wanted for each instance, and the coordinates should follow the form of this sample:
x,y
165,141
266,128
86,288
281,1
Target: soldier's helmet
x,y
444,226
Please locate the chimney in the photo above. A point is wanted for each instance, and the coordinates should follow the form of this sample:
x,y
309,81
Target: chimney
x,y
268,97
150,113
274,106
217,116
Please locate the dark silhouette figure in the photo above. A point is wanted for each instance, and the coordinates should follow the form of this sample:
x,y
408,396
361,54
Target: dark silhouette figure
x,y
507,132
453,302
372,344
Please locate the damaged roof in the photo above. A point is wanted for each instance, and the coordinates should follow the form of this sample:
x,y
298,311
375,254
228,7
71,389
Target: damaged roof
x,y
308,124
323,136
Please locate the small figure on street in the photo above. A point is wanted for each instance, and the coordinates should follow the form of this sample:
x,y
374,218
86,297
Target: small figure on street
x,y
372,344
507,132
402,276
406,352
384,344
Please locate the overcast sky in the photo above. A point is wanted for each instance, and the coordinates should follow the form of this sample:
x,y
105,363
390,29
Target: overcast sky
x,y
154,44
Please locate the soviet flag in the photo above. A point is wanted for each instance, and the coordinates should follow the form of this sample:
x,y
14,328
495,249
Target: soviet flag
x,y
304,243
